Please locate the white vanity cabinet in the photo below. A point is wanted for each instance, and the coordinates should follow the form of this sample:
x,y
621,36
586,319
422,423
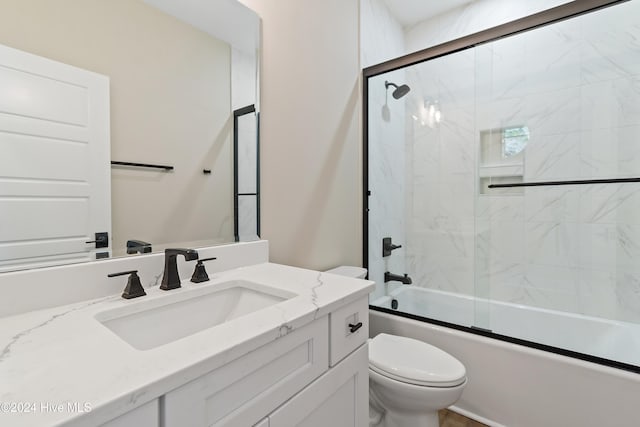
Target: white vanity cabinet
x,y
340,398
243,391
146,415
315,375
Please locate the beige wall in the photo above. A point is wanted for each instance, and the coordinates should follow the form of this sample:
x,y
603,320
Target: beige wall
x,y
310,131
170,104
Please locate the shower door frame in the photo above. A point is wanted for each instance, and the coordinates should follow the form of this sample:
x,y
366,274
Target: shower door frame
x,y
537,20
249,109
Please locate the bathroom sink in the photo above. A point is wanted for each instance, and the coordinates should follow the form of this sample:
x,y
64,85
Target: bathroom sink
x,y
163,320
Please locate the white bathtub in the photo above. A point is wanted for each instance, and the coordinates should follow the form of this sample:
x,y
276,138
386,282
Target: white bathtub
x,y
518,386
618,341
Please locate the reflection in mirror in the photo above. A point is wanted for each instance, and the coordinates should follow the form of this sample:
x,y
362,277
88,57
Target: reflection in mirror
x,y
172,72
246,180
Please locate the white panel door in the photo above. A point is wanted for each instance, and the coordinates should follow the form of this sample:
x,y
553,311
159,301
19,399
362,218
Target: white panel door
x,y
55,190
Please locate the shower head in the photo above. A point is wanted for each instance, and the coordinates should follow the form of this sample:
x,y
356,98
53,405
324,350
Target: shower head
x,y
400,91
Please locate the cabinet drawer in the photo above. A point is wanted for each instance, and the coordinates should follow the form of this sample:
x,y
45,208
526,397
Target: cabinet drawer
x,y
243,391
346,332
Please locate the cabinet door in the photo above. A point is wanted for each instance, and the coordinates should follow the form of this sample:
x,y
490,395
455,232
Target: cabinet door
x,y
144,416
340,398
247,389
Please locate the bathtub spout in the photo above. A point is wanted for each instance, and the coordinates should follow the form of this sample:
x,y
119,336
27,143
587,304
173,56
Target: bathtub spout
x,y
390,277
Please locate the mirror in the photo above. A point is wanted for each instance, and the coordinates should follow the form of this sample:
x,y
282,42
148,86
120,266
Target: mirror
x,y
177,70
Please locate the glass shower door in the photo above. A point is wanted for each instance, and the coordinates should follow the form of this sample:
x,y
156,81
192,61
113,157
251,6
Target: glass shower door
x,y
247,174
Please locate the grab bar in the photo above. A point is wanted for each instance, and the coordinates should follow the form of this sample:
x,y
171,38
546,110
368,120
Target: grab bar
x,y
143,165
577,182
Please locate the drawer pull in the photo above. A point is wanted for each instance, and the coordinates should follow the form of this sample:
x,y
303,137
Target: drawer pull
x,y
353,328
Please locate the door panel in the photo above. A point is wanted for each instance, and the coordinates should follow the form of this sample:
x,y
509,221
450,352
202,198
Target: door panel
x,y
55,191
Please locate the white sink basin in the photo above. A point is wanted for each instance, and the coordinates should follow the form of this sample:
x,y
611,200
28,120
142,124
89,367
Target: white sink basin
x,y
150,324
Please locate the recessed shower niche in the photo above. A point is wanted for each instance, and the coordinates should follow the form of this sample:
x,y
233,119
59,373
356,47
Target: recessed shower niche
x,y
501,159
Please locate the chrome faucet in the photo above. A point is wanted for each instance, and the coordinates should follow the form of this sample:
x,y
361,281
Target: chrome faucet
x,y
171,279
390,277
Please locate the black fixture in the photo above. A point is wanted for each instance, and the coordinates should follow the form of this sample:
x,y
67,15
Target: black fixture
x,y
134,288
237,195
399,92
390,277
394,304
388,246
353,327
138,246
171,279
143,165
200,273
574,182
101,240
206,171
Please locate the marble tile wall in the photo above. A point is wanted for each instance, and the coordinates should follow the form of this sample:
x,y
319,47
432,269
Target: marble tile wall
x,y
244,81
441,192
381,36
576,86
381,39
470,18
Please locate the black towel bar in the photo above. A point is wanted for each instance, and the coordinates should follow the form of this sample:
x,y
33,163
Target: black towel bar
x,y
577,182
143,165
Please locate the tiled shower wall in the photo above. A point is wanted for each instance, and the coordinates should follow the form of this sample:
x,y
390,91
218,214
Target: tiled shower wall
x,y
441,194
382,38
576,86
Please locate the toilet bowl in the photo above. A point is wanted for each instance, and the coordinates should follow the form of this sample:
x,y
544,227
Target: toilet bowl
x,y
409,380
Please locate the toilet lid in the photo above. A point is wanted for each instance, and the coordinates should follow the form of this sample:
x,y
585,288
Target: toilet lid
x,y
414,362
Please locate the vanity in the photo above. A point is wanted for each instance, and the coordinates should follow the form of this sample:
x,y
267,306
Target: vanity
x,y
258,344
121,127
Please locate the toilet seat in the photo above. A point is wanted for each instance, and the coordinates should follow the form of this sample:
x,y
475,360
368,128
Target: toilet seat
x,y
414,362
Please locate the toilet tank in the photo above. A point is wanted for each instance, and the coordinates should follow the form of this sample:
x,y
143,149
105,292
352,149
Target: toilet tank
x,y
349,271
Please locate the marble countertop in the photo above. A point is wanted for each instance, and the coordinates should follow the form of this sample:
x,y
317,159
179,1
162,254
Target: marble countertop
x,y
58,356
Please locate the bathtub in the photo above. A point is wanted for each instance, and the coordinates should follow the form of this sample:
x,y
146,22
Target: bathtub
x,y
607,339
520,386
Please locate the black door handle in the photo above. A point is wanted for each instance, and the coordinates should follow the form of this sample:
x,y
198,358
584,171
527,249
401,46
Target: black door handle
x,y
101,240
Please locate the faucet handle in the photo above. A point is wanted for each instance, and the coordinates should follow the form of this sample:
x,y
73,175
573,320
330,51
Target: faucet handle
x,y
134,246
134,288
200,273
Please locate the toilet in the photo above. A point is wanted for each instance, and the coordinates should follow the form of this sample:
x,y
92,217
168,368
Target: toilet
x,y
409,380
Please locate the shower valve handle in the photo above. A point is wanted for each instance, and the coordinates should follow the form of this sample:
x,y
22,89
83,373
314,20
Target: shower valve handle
x,y
388,246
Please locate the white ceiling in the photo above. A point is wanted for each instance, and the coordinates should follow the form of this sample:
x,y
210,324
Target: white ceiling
x,y
410,12
227,20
